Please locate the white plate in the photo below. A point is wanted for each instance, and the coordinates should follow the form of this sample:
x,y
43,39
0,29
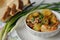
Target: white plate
x,y
25,35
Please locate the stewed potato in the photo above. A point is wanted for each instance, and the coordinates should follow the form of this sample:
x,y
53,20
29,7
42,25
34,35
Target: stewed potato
x,y
30,16
43,21
35,14
46,12
54,19
37,27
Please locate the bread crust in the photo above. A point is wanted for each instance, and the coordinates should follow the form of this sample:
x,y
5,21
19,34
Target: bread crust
x,y
11,9
6,14
26,2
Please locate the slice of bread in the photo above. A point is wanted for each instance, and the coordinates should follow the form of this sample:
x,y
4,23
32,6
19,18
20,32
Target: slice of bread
x,y
2,3
26,2
11,7
18,3
4,13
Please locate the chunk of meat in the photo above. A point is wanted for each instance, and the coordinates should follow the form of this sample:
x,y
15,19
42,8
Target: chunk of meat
x,y
30,25
45,28
53,28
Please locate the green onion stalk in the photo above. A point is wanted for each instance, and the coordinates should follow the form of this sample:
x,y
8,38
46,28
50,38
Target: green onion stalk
x,y
53,6
11,23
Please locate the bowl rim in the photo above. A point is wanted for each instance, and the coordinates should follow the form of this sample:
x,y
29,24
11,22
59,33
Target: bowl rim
x,y
38,31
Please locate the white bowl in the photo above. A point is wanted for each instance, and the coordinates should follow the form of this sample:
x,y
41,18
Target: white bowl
x,y
44,34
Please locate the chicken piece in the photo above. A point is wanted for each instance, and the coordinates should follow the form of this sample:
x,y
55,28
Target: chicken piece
x,y
30,25
54,28
36,20
45,28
